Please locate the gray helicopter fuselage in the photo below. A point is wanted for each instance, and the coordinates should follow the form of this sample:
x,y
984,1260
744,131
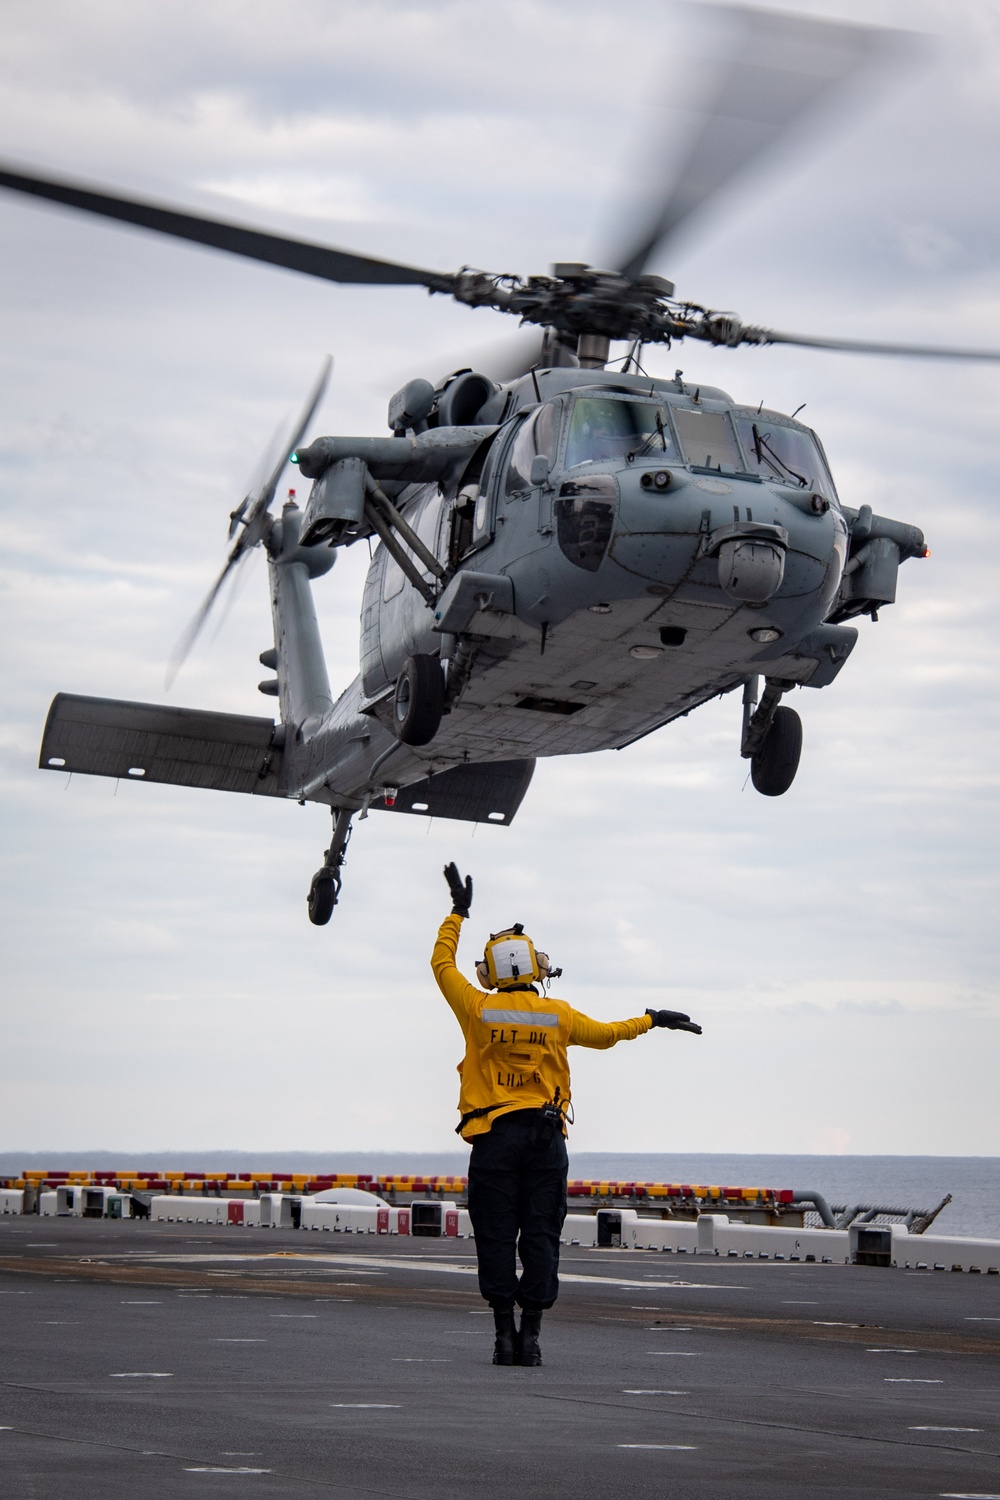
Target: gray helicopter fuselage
x,y
603,607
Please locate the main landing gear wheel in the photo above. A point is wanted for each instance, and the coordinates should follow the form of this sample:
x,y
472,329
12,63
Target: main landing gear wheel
x,y
773,768
418,703
324,891
322,897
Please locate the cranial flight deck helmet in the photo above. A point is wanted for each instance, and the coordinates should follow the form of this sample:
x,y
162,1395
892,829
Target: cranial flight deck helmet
x,y
511,959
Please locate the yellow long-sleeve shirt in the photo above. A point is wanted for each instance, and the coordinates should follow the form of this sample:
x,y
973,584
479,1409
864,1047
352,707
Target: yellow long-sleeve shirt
x,y
515,1040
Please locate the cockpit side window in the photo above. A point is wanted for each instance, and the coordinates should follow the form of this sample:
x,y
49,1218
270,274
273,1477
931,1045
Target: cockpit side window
x,y
539,433
787,454
603,427
523,450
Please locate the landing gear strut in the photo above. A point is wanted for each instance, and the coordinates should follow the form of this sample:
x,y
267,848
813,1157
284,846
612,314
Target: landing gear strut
x,y
772,738
325,889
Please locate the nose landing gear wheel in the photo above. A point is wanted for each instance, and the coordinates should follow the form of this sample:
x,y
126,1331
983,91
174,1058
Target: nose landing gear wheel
x,y
773,768
418,703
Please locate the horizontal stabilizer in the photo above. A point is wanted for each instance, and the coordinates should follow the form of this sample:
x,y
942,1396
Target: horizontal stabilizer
x,y
149,742
487,793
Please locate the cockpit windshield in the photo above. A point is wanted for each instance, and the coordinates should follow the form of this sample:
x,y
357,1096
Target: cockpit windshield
x,y
604,427
781,452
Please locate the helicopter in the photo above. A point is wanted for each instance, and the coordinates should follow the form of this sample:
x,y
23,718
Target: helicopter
x,y
569,556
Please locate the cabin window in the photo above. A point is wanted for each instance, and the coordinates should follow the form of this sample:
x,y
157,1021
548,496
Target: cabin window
x,y
787,454
603,428
707,439
425,523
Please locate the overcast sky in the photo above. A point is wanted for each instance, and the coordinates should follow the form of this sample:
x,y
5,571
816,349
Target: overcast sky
x,y
163,987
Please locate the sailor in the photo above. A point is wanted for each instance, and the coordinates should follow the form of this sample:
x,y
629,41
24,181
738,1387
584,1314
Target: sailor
x,y
514,1097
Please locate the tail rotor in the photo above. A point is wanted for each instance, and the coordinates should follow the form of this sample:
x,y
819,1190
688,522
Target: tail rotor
x,y
253,515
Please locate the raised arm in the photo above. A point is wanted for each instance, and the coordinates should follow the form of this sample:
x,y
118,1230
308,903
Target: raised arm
x,y
462,996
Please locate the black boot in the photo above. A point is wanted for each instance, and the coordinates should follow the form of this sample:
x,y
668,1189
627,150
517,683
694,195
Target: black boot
x,y
505,1347
528,1352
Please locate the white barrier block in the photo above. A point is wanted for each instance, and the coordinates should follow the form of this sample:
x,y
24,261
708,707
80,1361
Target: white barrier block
x,y
199,1210
181,1208
666,1234
720,1235
11,1200
48,1203
69,1200
341,1218
626,1228
949,1251
579,1229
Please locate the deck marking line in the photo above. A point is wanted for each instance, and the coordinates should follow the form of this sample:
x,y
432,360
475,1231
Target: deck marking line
x,y
358,1265
142,1375
222,1469
891,1351
909,1380
367,1405
663,1447
655,1393
946,1429
826,1432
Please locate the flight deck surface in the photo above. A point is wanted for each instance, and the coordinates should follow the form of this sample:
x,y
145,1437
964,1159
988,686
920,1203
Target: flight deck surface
x,y
165,1360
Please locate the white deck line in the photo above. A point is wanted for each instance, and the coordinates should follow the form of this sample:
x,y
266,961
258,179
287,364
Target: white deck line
x,y
355,1263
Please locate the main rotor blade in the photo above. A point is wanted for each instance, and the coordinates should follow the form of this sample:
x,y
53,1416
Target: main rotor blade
x,y
782,67
274,249
867,346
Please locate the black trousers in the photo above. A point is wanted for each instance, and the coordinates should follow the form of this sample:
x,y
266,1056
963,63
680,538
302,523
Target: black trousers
x,y
517,1203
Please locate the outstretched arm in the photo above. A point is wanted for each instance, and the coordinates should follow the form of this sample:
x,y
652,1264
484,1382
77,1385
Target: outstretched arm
x,y
586,1032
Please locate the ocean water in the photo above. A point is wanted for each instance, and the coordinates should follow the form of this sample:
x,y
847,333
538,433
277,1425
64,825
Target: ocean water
x,y
898,1181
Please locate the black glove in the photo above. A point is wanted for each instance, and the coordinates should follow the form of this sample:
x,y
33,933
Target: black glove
x,y
461,890
674,1020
